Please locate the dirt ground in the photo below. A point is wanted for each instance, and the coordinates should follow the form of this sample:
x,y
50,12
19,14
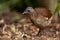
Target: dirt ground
x,y
24,29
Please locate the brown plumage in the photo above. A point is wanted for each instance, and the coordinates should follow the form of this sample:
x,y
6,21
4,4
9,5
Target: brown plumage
x,y
44,12
39,16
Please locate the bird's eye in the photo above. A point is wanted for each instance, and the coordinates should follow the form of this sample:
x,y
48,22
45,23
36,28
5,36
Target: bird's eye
x,y
28,10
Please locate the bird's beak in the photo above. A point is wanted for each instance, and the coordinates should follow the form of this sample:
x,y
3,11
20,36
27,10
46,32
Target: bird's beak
x,y
24,13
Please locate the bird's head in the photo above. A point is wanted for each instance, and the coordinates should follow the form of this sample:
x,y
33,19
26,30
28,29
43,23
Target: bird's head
x,y
30,10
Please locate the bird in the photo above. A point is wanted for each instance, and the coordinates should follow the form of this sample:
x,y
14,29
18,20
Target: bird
x,y
39,16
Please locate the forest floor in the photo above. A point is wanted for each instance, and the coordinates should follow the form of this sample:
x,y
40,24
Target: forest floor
x,y
24,29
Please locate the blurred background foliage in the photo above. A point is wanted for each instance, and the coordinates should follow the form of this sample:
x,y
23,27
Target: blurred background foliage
x,y
20,5
57,7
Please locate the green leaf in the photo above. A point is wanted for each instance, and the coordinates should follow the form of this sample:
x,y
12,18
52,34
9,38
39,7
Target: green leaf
x,y
57,8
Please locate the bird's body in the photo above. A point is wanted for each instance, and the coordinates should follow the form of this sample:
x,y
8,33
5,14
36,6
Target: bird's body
x,y
44,12
39,16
